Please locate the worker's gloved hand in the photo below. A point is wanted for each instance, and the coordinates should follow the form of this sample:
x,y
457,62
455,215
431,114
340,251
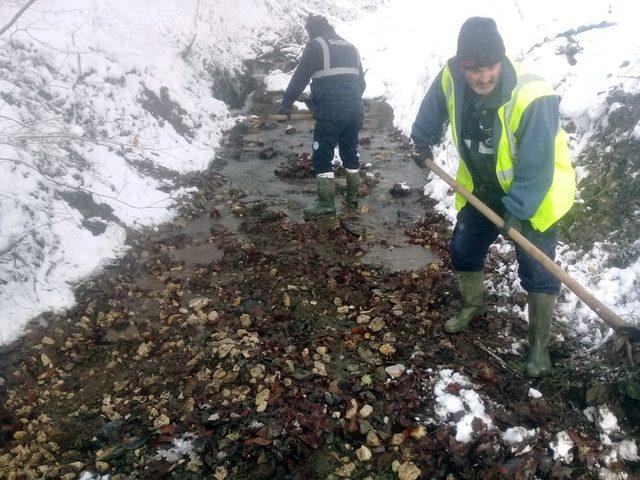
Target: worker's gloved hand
x,y
419,153
511,221
284,110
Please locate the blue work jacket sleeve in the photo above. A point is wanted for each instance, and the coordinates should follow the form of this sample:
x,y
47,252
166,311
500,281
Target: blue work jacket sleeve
x,y
533,169
310,62
429,125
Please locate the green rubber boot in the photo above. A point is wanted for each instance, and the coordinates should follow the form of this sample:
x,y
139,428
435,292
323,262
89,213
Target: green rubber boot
x,y
540,313
473,304
326,198
353,180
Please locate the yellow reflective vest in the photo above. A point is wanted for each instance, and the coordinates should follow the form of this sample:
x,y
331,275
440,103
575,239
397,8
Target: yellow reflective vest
x,y
529,87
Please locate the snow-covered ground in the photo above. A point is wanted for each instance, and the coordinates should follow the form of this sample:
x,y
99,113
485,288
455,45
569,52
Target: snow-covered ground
x,y
96,95
100,102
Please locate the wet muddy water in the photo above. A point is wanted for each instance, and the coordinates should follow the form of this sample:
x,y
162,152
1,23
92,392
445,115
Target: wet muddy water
x,y
384,217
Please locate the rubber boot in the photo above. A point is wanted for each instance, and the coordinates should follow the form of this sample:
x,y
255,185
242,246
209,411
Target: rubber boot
x,y
540,313
326,198
353,180
473,304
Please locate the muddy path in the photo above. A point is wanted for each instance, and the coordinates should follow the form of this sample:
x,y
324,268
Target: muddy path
x,y
241,342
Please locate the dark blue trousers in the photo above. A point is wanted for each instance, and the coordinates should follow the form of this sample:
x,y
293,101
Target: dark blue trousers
x,y
329,133
473,234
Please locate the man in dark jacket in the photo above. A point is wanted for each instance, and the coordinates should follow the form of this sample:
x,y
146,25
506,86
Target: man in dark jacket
x,y
514,157
337,82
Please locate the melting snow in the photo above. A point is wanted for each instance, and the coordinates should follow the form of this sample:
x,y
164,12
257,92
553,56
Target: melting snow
x,y
454,395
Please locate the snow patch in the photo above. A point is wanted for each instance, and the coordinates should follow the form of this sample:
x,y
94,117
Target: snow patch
x,y
533,393
452,398
606,420
516,435
562,447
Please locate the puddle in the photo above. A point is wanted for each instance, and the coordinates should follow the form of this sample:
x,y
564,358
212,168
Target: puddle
x,y
384,216
201,254
149,284
398,259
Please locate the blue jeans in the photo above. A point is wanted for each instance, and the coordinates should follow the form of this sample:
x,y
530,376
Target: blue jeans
x,y
473,235
329,133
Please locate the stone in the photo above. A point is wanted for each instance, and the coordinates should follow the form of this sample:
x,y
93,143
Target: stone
x,y
352,409
319,368
46,361
365,426
376,324
220,473
363,453
161,421
418,432
366,410
144,349
346,470
372,439
198,303
380,374
408,471
387,350
245,320
261,400
77,466
394,371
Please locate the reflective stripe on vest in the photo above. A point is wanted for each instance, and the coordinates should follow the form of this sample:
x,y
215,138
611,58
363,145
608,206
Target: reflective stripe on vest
x,y
463,176
327,71
529,87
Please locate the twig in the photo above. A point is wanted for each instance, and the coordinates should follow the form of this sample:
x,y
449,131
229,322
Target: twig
x,y
185,53
78,188
502,363
16,16
629,352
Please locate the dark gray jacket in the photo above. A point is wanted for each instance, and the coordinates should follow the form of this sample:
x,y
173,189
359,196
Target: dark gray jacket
x,y
334,96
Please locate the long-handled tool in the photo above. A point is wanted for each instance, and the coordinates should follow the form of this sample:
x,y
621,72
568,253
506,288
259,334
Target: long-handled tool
x,y
306,116
293,116
604,312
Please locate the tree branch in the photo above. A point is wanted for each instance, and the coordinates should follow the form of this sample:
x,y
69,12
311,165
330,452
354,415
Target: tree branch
x,y
78,188
16,16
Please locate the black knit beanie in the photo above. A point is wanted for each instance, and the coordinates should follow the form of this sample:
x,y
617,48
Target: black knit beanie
x,y
317,25
479,43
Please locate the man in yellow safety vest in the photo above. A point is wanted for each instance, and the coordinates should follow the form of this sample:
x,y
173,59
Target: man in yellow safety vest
x,y
514,157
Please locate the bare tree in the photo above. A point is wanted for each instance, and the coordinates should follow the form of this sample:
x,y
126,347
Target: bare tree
x,y
16,16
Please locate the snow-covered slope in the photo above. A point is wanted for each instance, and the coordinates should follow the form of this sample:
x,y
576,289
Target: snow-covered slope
x,y
102,103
